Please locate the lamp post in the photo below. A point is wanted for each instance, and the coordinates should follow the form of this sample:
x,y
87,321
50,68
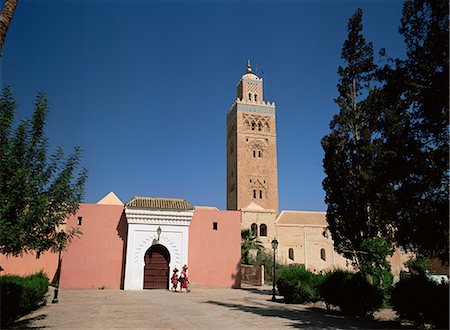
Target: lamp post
x,y
274,247
58,275
158,231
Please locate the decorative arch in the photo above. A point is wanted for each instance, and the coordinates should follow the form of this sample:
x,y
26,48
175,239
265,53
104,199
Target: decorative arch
x,y
156,267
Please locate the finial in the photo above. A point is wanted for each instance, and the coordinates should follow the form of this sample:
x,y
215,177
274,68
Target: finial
x,y
249,68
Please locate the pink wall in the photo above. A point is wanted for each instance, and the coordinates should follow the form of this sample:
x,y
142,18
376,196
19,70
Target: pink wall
x,y
214,255
96,259
28,264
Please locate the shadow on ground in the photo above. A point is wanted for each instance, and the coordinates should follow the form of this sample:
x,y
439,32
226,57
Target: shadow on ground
x,y
27,322
267,292
312,317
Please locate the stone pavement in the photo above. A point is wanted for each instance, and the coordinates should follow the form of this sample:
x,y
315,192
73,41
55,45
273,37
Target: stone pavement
x,y
246,308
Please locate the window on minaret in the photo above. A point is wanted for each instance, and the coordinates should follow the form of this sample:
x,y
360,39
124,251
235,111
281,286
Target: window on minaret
x,y
259,126
256,97
259,154
254,193
249,96
254,153
260,194
253,125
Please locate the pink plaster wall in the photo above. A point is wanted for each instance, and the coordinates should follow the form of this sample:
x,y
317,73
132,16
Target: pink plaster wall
x,y
28,264
96,259
214,255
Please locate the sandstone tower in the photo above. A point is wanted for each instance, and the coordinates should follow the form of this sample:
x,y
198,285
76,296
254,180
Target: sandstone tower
x,y
251,147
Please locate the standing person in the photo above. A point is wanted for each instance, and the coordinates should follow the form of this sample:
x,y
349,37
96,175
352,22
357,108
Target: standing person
x,y
185,282
174,279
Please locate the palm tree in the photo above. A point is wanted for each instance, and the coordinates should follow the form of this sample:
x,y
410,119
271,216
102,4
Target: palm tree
x,y
248,242
6,18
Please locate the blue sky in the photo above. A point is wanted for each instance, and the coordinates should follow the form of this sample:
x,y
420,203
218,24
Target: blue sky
x,y
144,86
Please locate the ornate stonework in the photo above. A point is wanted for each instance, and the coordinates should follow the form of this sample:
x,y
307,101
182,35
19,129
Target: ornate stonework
x,y
251,147
143,224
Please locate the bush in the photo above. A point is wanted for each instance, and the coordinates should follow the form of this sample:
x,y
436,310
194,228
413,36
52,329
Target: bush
x,y
422,301
22,295
298,285
351,293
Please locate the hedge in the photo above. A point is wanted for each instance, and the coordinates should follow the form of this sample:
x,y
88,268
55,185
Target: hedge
x,y
422,301
22,295
351,293
298,285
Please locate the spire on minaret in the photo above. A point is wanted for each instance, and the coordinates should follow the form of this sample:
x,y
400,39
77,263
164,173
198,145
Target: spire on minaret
x,y
249,68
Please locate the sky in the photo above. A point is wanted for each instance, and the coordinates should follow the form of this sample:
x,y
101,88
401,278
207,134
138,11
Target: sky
x,y
143,87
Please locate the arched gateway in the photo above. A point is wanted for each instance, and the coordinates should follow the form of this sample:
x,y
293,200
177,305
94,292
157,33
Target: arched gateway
x,y
156,269
157,240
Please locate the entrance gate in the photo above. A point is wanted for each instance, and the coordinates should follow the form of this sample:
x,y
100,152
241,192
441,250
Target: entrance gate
x,y
156,269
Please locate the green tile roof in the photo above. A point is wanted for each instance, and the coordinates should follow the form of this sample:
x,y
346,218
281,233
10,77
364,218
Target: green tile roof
x,y
157,203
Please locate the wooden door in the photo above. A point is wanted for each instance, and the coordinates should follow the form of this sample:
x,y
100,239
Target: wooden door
x,y
156,269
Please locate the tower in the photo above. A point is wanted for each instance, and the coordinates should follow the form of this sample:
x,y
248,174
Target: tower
x,y
251,147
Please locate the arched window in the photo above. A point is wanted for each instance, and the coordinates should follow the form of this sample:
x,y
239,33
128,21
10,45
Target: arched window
x,y
254,193
253,125
262,230
260,194
254,153
259,126
249,96
259,153
322,255
256,97
291,253
254,229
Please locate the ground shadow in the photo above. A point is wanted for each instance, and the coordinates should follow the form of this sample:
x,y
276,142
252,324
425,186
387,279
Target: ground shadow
x,y
27,322
264,292
312,317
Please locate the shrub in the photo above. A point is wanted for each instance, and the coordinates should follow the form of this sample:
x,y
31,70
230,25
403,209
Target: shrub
x,y
298,285
21,295
422,301
351,293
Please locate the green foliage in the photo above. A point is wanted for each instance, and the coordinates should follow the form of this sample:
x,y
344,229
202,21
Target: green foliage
x,y
422,301
351,161
21,295
249,242
37,192
351,293
298,285
418,265
414,128
375,265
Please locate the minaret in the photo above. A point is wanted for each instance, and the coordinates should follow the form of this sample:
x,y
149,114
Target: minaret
x,y
251,147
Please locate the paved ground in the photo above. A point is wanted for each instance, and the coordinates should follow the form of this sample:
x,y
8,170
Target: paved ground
x,y
247,308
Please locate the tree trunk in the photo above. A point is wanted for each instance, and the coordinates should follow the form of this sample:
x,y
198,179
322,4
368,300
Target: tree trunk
x,y
6,18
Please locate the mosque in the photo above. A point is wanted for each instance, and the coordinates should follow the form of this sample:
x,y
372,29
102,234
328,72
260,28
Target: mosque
x,y
134,246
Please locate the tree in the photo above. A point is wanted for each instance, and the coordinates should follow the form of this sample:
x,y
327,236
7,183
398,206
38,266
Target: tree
x,y
248,242
351,159
422,193
6,18
37,192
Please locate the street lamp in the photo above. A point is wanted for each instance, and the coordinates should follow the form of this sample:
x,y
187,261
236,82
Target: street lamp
x,y
58,275
158,231
274,247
